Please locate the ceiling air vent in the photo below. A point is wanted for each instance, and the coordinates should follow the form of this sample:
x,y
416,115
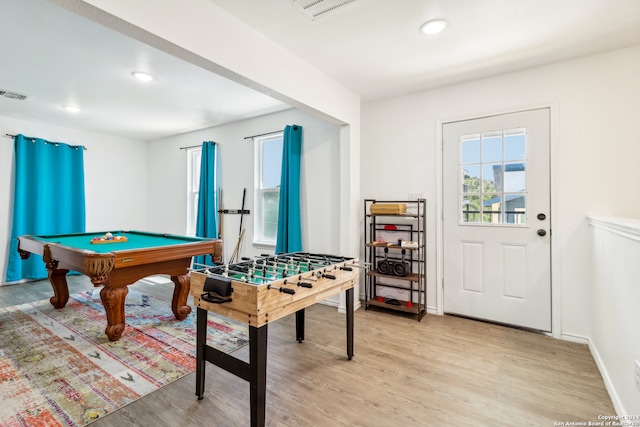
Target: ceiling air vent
x,y
12,95
318,8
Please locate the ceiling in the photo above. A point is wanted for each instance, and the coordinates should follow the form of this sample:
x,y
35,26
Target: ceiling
x,y
375,48
372,47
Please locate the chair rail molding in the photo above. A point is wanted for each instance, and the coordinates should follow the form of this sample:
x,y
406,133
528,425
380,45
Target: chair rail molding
x,y
625,227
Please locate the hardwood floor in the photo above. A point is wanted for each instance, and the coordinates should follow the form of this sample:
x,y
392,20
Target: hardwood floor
x,y
439,372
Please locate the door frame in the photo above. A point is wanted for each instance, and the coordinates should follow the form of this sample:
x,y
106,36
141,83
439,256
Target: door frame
x,y
556,291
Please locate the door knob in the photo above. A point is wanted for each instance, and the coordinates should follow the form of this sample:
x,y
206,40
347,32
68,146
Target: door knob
x,y
541,232
542,216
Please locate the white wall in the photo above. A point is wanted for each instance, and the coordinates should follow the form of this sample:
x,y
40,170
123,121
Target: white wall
x,y
320,176
115,178
595,104
616,340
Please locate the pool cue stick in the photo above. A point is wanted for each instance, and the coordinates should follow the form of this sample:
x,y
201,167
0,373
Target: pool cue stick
x,y
221,225
244,195
234,256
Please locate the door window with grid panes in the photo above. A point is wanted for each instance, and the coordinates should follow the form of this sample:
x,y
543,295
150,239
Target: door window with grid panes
x,y
493,177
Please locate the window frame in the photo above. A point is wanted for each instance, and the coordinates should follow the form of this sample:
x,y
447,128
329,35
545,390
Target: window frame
x,y
194,158
259,238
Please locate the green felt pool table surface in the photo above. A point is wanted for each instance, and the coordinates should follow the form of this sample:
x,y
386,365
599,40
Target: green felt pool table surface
x,y
136,240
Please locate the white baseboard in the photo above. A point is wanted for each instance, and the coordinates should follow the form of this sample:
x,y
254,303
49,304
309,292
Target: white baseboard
x,y
576,338
341,309
608,383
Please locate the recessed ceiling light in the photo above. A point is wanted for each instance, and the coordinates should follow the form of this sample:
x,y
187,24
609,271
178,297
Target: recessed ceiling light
x,y
433,27
145,77
71,108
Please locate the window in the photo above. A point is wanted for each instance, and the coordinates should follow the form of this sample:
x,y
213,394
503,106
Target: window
x,y
268,166
193,187
493,173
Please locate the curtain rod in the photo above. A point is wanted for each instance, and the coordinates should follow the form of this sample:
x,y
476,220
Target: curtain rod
x,y
8,135
263,134
197,146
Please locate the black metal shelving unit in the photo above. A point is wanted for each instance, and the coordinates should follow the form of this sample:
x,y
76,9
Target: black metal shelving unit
x,y
397,279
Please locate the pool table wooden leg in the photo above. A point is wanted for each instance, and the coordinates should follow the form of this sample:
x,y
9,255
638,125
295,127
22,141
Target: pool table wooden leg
x,y
113,302
58,280
180,294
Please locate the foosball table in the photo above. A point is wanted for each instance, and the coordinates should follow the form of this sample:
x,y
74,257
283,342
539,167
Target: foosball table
x,y
257,292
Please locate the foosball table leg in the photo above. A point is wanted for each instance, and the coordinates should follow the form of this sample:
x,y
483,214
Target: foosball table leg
x,y
258,374
201,342
349,302
300,325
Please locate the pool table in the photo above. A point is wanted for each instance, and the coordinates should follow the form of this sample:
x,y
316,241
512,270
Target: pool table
x,y
117,264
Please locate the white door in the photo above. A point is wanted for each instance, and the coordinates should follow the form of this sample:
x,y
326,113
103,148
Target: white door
x,y
496,201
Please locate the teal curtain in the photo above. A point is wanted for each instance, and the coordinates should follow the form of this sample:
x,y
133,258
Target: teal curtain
x,y
289,237
207,222
48,198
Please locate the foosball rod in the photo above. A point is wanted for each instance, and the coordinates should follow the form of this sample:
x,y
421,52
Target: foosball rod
x,y
309,263
285,270
324,258
222,271
300,276
267,262
277,260
310,259
299,261
287,259
330,259
204,268
225,275
364,265
251,274
278,267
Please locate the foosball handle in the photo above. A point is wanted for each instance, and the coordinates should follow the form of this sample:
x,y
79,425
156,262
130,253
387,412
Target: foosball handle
x,y
300,284
283,290
346,268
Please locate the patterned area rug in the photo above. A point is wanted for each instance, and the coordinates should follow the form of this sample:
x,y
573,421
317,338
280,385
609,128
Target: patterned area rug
x,y
57,367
